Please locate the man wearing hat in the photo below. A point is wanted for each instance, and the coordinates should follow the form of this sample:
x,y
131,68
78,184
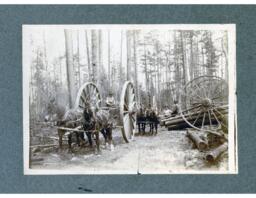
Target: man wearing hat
x,y
110,100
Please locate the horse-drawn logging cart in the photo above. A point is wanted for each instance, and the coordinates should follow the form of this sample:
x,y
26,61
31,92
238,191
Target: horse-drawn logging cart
x,y
203,110
122,116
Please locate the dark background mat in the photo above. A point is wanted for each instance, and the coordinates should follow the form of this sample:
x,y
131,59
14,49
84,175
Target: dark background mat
x,y
12,179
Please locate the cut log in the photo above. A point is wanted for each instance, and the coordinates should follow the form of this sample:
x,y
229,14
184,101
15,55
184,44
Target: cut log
x,y
191,118
168,121
182,125
215,153
197,140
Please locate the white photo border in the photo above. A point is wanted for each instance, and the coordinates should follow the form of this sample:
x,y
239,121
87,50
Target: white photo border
x,y
232,119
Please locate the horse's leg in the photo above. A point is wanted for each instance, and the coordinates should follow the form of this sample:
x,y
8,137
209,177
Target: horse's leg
x,y
89,137
97,140
69,140
81,136
156,126
139,126
60,134
110,139
104,133
77,138
151,128
143,127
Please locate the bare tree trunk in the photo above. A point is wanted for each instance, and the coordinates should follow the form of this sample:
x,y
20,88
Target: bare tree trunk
x,y
224,46
55,81
158,75
100,50
128,66
88,56
94,56
184,67
135,63
31,95
78,61
70,69
155,76
183,54
100,61
166,71
202,68
121,60
60,70
109,61
191,68
46,67
177,76
38,90
196,60
146,68
210,50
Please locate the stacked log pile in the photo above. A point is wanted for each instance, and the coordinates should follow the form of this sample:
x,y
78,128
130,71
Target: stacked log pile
x,y
178,123
213,146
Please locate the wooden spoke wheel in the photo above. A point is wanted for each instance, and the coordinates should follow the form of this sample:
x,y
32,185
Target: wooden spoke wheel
x,y
88,94
128,111
204,103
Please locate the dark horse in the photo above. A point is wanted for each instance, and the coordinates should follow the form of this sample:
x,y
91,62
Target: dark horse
x,y
98,120
92,122
141,121
153,121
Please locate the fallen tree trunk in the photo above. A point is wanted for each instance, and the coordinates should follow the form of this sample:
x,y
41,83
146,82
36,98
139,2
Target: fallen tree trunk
x,y
197,140
215,153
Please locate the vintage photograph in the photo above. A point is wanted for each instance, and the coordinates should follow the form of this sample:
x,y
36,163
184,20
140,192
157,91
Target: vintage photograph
x,y
129,99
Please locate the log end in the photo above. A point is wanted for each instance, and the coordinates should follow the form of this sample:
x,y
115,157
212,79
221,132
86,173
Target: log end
x,y
210,158
202,146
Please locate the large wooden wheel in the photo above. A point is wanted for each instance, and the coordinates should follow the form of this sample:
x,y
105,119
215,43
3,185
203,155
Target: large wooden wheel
x,y
88,94
128,111
204,103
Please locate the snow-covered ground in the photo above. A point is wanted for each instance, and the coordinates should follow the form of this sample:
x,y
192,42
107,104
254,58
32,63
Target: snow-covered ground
x,y
167,152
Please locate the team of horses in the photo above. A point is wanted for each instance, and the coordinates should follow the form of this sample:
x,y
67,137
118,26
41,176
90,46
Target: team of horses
x,y
147,117
95,121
